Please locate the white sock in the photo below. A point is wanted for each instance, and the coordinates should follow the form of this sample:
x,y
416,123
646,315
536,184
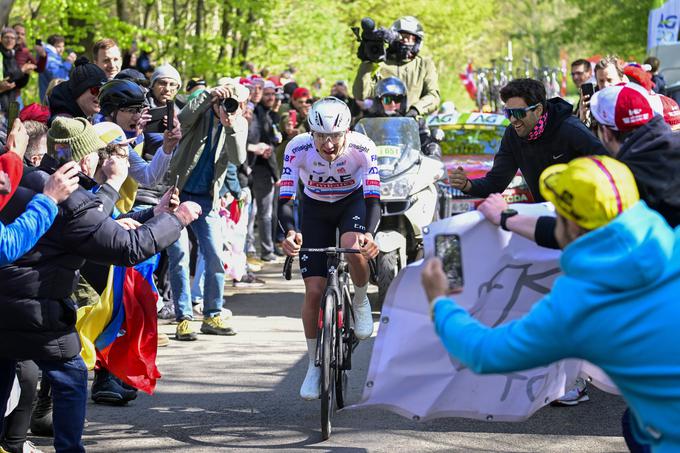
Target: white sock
x,y
360,295
311,350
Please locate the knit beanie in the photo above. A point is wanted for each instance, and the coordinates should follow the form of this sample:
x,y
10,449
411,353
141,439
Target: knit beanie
x,y
72,138
84,76
166,71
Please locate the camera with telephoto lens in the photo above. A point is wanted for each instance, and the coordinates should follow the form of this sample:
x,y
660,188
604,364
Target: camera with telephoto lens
x,y
374,40
230,105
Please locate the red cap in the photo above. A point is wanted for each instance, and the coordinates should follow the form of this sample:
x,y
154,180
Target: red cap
x,y
300,92
623,107
244,81
671,110
639,76
35,112
276,80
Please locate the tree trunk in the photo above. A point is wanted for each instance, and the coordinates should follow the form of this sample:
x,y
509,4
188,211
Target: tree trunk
x,y
123,13
224,32
199,18
5,10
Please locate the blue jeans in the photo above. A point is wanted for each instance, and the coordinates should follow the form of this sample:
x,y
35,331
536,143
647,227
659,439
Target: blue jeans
x,y
69,398
208,231
199,280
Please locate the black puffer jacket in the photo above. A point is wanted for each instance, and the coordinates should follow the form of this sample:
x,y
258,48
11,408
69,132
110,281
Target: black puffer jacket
x,y
37,317
563,139
652,152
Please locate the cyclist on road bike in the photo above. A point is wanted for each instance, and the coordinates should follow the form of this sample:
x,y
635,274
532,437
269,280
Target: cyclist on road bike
x,y
341,192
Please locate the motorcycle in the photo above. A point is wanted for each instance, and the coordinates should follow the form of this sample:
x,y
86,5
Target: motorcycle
x,y
409,197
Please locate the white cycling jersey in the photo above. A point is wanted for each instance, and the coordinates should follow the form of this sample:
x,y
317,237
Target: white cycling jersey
x,y
330,181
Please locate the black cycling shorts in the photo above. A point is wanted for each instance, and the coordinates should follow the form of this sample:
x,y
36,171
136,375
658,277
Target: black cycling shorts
x,y
320,222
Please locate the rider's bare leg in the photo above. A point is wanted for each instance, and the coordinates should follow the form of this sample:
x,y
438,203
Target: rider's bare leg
x,y
314,289
358,270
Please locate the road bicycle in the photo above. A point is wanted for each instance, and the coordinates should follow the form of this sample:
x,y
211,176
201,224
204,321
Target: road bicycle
x,y
335,339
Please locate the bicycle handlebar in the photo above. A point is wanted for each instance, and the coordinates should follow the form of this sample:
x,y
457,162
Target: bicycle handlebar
x,y
288,264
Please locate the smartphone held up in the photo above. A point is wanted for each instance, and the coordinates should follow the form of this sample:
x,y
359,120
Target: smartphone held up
x,y
447,249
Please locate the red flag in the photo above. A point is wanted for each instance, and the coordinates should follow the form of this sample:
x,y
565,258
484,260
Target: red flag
x,y
131,345
468,79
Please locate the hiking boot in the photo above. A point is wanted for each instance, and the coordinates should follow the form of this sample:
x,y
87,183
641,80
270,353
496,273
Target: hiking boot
x,y
216,326
363,319
311,386
252,261
108,389
163,340
41,417
249,281
576,395
269,257
166,313
184,331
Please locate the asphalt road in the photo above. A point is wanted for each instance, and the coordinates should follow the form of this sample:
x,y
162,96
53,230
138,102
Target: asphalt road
x,y
241,394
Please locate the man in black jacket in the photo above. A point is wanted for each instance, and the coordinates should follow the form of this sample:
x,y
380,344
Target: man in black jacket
x,y
37,316
644,142
541,133
263,137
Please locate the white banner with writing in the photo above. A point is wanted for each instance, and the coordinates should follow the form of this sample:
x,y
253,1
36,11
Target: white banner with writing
x,y
663,24
410,371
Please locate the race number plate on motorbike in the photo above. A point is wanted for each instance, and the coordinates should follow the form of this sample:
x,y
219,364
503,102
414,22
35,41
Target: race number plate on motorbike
x,y
388,151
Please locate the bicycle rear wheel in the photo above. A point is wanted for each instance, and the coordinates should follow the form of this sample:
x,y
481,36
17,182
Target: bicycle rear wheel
x,y
344,349
327,368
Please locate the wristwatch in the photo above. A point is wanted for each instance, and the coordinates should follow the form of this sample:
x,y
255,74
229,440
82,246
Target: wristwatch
x,y
505,215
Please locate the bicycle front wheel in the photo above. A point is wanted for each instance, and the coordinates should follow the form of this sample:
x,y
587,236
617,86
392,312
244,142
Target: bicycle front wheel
x,y
327,367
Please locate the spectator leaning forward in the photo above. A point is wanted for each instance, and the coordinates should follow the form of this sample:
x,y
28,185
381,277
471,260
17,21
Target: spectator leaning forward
x,y
78,97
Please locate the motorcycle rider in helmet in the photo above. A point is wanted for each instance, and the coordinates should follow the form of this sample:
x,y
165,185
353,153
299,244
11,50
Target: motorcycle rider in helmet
x,y
390,101
402,60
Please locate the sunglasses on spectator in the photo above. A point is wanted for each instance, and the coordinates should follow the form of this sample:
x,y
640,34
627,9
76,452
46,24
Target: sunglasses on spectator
x,y
94,91
334,137
133,110
520,112
389,99
308,101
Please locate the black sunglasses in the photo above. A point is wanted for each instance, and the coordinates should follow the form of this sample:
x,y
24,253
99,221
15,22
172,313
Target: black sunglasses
x,y
520,112
388,99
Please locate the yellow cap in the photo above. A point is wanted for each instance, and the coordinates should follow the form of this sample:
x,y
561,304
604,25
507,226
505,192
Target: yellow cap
x,y
591,191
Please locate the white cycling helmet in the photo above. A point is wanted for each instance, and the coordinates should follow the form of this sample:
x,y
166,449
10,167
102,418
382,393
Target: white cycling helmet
x,y
329,115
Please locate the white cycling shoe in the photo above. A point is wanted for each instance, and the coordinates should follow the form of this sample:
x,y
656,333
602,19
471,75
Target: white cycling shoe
x,y
363,319
311,386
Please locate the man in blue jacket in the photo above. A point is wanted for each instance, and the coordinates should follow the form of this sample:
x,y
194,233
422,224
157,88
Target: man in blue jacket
x,y
56,67
615,306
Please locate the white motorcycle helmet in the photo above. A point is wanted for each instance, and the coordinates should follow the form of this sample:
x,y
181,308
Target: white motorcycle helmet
x,y
329,115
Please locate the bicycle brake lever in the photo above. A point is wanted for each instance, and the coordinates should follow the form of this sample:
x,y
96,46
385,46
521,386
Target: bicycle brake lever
x,y
288,267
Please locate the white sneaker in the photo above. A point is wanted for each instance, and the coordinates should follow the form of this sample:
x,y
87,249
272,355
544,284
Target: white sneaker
x,y
363,320
311,386
29,447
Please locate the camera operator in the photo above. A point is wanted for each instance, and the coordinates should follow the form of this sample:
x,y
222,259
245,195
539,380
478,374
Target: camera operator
x,y
400,59
214,133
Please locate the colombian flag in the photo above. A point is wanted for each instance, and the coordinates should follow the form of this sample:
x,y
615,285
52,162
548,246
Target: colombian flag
x,y
121,330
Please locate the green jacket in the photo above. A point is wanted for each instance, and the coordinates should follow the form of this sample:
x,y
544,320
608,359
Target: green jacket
x,y
231,144
419,75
